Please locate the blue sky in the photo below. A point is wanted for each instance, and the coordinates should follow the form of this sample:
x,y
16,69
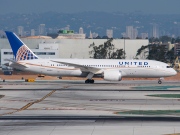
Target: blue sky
x,y
73,6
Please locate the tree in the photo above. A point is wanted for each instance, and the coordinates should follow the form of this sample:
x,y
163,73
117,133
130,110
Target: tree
x,y
143,52
157,52
173,40
138,37
98,37
177,40
165,39
170,56
153,39
106,51
125,38
105,37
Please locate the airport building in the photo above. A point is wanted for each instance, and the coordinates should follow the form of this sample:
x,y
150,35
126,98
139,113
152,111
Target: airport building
x,y
69,34
44,51
70,48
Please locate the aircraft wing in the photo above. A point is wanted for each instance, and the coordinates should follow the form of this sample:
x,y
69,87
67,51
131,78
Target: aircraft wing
x,y
93,70
15,64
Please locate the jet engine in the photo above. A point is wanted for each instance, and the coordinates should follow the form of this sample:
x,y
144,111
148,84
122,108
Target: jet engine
x,y
112,75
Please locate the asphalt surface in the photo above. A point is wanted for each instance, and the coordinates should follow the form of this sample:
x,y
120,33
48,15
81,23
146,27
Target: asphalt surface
x,y
72,107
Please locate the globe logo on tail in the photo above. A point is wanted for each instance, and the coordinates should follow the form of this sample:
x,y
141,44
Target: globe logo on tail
x,y
24,53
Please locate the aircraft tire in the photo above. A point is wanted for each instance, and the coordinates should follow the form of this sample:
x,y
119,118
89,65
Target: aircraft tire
x,y
89,81
159,81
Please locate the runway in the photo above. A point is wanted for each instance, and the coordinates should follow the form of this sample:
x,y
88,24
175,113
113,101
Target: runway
x,y
72,107
88,128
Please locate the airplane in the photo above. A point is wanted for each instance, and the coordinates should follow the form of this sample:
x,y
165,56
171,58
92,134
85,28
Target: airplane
x,y
108,69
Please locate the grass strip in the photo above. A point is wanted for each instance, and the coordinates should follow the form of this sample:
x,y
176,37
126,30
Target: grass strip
x,y
165,95
151,112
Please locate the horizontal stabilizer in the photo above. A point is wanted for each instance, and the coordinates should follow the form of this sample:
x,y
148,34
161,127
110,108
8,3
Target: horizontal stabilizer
x,y
15,64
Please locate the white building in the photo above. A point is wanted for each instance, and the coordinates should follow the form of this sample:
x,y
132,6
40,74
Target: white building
x,y
131,32
32,32
20,31
81,31
155,31
144,35
44,51
42,29
135,33
109,33
90,35
94,34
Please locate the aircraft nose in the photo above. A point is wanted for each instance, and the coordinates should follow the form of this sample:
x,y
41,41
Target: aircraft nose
x,y
174,72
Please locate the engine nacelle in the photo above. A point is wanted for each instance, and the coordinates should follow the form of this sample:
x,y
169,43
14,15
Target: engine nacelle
x,y
112,75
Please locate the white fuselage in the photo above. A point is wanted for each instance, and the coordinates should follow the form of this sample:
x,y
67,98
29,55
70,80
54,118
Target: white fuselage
x,y
128,68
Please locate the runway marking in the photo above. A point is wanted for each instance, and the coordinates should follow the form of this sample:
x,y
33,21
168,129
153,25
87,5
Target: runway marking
x,y
31,103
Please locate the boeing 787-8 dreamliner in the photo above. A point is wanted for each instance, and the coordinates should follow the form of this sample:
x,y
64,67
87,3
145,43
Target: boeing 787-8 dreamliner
x,y
108,69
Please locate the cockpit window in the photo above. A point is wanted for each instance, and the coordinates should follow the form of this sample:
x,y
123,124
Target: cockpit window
x,y
169,67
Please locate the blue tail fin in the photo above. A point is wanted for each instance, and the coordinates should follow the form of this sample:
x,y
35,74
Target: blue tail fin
x,y
20,50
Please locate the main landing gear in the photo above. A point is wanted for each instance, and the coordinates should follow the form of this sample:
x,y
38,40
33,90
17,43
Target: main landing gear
x,y
160,80
89,81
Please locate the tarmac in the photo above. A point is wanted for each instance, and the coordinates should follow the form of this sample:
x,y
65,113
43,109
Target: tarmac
x,y
73,107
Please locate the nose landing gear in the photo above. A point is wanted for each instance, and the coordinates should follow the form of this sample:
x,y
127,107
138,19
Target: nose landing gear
x,y
160,80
